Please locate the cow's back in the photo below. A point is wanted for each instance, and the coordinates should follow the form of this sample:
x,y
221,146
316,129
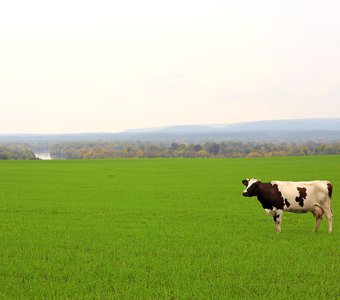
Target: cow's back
x,y
304,195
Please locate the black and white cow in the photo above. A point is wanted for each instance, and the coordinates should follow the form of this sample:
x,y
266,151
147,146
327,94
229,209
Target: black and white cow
x,y
299,197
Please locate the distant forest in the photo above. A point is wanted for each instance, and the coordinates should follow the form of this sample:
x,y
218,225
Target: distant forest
x,y
120,149
208,149
16,151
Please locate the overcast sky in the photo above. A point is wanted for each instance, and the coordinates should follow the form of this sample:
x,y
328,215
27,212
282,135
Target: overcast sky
x,y
71,66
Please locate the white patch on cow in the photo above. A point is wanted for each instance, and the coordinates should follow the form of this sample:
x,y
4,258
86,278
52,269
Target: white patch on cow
x,y
315,190
270,212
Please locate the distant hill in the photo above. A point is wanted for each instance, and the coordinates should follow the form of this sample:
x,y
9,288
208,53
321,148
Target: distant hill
x,y
275,130
273,125
288,125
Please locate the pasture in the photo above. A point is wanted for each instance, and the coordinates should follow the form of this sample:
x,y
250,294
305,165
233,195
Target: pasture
x,y
161,228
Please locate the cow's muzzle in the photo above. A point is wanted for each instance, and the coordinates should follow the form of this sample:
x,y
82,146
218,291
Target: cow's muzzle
x,y
245,194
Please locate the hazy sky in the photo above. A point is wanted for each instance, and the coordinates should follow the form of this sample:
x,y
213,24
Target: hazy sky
x,y
105,66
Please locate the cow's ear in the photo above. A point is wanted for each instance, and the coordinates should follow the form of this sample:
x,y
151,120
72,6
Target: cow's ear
x,y
245,181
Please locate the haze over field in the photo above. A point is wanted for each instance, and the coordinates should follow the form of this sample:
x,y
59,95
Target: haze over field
x,y
106,66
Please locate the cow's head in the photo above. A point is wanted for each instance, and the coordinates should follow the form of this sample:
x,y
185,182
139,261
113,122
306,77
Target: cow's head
x,y
252,186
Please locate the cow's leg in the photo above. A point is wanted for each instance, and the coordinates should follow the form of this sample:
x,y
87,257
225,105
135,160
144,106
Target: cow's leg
x,y
317,223
317,212
329,215
278,220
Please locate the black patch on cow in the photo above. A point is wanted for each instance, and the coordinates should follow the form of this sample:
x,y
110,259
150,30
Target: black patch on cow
x,y
302,196
270,196
287,203
330,189
276,217
245,182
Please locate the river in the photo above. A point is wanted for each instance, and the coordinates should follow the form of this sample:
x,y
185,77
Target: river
x,y
43,155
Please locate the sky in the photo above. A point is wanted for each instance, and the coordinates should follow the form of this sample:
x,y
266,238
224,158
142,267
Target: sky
x,y
72,66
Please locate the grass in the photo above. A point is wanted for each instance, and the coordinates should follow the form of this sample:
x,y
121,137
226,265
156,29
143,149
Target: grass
x,y
161,228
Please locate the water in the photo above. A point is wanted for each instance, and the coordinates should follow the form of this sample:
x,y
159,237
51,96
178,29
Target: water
x,y
43,155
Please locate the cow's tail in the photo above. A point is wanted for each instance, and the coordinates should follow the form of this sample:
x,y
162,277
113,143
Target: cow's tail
x,y
330,192
330,189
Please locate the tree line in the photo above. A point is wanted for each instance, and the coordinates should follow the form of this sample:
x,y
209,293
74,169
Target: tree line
x,y
228,149
16,151
135,149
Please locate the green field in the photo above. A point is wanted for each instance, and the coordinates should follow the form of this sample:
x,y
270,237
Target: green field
x,y
161,228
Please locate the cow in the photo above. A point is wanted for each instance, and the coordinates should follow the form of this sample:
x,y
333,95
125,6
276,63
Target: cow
x,y
277,197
